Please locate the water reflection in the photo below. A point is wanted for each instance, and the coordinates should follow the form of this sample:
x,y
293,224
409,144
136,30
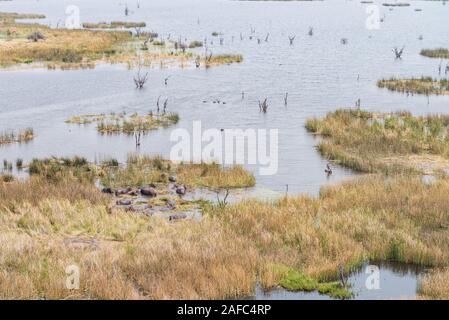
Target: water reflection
x,y
396,281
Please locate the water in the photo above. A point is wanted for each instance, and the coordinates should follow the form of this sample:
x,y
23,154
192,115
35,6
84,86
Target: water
x,y
396,281
319,73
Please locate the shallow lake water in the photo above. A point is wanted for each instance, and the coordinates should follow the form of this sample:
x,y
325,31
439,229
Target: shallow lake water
x,y
394,281
319,73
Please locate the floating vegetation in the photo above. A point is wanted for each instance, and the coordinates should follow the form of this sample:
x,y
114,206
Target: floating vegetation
x,y
294,280
436,53
213,60
11,16
423,85
195,44
122,123
384,142
114,25
11,137
397,4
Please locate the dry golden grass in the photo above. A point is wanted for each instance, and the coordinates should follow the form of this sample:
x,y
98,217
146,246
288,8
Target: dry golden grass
x,y
11,137
387,143
143,170
84,48
121,123
422,85
114,25
435,285
120,254
214,176
442,53
44,228
59,46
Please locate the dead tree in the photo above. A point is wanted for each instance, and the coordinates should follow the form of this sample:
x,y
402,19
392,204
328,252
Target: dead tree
x,y
222,202
126,10
208,59
145,44
157,104
36,36
140,80
266,38
138,136
165,105
292,39
286,99
263,106
310,31
398,53
138,31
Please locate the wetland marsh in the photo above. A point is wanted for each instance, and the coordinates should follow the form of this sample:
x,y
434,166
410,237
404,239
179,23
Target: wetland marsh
x,y
86,177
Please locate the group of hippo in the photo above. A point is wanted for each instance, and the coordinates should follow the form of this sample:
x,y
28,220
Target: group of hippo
x,y
148,191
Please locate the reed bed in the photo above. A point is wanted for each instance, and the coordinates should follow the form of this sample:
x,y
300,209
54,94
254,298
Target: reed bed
x,y
435,285
441,53
22,136
223,59
423,85
296,241
121,123
114,25
84,48
144,170
387,143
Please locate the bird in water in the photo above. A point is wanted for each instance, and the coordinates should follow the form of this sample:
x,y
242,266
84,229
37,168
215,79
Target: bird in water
x,y
328,170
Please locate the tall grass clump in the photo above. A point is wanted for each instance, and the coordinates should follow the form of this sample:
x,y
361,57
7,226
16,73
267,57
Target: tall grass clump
x,y
143,170
298,242
442,53
122,123
389,143
423,85
20,137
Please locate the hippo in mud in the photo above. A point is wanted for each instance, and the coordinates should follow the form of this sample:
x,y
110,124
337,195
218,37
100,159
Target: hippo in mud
x,y
181,190
148,191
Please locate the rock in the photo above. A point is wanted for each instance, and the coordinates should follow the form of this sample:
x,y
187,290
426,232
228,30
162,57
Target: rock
x,y
139,208
181,190
120,192
148,191
124,202
172,179
133,193
171,204
177,216
107,190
